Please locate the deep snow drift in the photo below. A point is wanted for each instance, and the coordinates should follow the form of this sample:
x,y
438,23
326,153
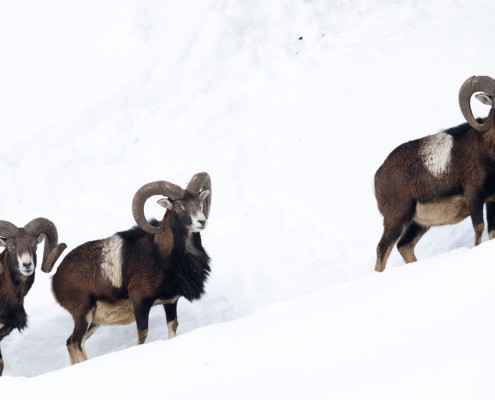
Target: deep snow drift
x,y
290,106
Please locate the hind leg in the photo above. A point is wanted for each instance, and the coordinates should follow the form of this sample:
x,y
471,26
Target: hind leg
x,y
75,343
92,329
385,245
409,240
393,227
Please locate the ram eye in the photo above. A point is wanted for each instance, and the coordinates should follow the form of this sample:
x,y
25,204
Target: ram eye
x,y
11,247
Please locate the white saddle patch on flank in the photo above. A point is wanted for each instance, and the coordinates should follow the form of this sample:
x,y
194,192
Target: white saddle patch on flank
x,y
436,151
111,266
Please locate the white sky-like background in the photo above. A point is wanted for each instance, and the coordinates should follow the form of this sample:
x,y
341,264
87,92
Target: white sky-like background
x,y
290,106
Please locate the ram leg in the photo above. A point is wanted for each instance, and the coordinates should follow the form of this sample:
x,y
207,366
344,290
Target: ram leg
x,y
141,313
475,207
3,332
392,230
92,329
172,322
490,219
385,245
408,241
75,343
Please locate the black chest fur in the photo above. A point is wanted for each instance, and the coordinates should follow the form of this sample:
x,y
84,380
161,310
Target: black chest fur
x,y
186,275
13,289
182,272
13,315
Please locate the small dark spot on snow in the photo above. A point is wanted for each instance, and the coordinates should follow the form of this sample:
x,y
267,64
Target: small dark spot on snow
x,y
300,38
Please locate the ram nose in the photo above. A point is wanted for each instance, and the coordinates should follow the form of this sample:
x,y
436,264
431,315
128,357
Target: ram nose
x,y
199,224
26,265
27,268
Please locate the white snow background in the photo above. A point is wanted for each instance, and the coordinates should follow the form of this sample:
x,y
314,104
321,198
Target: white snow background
x,y
290,106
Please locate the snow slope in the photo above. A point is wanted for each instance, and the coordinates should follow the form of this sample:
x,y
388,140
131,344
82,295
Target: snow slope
x,y
290,106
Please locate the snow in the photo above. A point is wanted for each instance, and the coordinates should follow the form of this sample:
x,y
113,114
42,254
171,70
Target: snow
x,y
291,106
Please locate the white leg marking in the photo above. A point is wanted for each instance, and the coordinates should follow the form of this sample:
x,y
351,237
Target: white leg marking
x,y
172,328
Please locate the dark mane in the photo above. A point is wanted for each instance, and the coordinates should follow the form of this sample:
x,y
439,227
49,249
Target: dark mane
x,y
460,130
136,232
192,271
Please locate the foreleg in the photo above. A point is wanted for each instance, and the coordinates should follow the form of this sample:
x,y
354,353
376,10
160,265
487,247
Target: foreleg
x,y
475,207
141,313
172,322
490,219
1,360
4,331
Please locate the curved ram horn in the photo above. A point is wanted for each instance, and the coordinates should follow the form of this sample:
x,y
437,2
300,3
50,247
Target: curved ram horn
x,y
7,229
52,249
162,188
472,85
199,182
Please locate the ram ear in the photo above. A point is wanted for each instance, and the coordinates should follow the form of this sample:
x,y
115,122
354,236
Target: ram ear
x,y
165,203
484,98
41,237
204,194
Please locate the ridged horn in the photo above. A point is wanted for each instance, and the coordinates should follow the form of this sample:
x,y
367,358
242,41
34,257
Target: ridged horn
x,y
52,249
163,188
199,182
7,229
472,85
